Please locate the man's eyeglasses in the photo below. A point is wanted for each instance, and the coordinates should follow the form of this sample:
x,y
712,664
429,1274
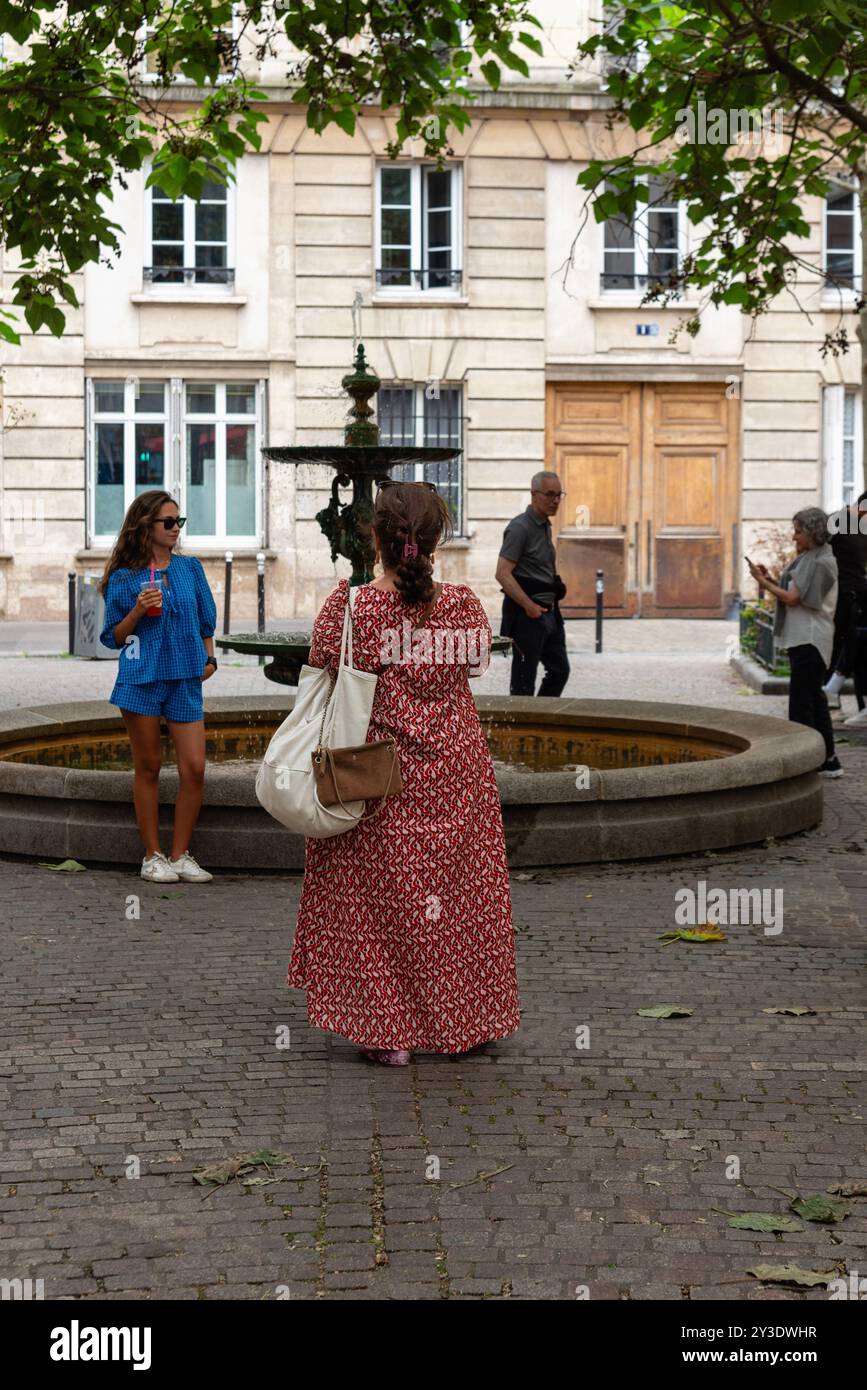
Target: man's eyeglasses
x,y
552,496
170,522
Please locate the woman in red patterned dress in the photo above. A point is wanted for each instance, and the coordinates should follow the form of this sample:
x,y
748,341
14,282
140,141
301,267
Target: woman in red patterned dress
x,y
404,939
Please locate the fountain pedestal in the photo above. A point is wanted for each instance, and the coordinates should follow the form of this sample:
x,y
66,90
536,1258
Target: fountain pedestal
x,y
359,462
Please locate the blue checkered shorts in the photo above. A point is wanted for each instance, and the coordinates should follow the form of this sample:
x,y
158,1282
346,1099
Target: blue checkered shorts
x,y
181,701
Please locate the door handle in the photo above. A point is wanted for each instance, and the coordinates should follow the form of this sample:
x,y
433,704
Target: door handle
x,y
649,556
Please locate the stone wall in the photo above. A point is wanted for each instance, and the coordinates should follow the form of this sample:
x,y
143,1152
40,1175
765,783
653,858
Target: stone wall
x,y
304,246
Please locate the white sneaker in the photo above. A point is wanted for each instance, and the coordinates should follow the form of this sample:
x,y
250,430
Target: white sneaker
x,y
856,721
831,768
189,871
157,869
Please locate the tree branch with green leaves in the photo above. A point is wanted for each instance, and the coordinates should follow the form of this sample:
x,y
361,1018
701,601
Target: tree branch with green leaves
x,y
77,116
802,61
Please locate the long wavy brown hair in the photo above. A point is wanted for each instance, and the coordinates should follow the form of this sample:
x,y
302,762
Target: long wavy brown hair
x,y
410,512
132,549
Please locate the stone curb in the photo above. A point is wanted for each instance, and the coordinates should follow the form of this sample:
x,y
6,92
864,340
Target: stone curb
x,y
762,781
760,679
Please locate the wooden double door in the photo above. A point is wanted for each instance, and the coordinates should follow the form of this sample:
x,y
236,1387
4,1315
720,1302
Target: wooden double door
x,y
651,473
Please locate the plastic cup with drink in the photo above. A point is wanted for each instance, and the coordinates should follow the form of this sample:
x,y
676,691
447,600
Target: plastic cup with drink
x,y
149,581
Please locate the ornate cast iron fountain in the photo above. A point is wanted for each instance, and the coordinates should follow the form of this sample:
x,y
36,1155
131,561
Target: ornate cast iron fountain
x,y
359,462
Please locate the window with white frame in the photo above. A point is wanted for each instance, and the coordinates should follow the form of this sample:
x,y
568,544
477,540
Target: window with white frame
x,y
842,239
429,415
128,447
636,57
189,239
221,448
843,471
444,53
226,35
648,251
418,228
201,441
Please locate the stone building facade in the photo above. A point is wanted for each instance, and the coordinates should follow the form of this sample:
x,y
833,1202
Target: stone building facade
x,y
228,325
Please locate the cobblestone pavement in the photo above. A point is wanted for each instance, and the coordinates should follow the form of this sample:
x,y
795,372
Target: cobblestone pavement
x,y
150,1043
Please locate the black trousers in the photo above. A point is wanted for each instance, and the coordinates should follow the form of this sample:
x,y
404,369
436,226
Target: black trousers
x,y
851,611
807,702
535,640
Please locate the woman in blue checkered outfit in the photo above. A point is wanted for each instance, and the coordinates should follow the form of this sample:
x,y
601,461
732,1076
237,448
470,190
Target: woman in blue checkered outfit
x,y
164,629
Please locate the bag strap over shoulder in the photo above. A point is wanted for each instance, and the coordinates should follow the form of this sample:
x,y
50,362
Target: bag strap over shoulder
x,y
344,655
346,644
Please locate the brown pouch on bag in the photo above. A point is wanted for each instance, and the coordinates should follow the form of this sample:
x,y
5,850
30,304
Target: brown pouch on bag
x,y
364,773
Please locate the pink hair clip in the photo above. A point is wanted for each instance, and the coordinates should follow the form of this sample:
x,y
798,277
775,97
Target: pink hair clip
x,y
409,548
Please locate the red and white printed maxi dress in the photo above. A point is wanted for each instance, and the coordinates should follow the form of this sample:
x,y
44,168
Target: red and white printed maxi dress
x,y
404,936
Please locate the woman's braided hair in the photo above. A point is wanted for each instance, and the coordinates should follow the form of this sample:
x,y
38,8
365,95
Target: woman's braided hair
x,y
410,520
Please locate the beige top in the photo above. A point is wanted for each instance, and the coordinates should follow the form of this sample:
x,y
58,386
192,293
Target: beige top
x,y
812,620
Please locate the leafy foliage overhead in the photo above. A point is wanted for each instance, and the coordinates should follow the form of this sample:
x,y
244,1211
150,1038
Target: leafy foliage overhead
x,y
791,75
77,115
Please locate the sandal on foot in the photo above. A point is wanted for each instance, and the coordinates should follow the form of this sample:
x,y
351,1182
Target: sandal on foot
x,y
396,1058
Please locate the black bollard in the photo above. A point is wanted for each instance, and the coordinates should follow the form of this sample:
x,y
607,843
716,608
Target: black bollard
x,y
600,597
70,585
227,596
260,580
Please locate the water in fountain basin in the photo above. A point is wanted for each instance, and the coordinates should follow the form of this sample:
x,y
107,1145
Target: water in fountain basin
x,y
522,747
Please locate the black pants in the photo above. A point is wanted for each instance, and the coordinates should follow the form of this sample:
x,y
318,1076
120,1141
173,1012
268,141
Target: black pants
x,y
534,640
851,611
845,631
807,702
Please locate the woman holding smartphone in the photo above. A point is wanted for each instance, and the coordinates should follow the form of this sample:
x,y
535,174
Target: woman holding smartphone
x,y
806,595
160,613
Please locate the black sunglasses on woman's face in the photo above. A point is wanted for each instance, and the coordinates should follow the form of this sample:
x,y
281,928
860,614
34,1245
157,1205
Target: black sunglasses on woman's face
x,y
170,522
402,482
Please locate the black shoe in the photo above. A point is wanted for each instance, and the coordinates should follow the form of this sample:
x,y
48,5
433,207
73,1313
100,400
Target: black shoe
x,y
831,768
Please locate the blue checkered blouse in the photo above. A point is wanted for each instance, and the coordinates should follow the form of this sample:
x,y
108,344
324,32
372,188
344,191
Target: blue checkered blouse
x,y
170,647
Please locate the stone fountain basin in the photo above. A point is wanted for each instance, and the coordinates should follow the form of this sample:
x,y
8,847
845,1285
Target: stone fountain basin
x,y
674,779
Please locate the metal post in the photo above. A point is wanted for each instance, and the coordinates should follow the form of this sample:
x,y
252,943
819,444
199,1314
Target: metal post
x,y
260,576
600,598
260,572
70,584
227,596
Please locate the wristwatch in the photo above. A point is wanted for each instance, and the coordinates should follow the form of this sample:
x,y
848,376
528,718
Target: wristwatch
x,y
212,661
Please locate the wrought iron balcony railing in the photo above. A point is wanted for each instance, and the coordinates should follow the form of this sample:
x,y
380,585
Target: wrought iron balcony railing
x,y
445,430
427,278
843,276
188,275
622,280
399,428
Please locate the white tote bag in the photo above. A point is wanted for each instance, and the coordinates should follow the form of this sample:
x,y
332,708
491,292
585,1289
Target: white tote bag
x,y
285,783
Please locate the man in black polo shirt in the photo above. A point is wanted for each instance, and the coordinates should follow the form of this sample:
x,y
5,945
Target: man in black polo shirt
x,y
527,574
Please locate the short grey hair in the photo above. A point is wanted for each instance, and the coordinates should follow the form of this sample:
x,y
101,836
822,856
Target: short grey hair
x,y
538,479
814,522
